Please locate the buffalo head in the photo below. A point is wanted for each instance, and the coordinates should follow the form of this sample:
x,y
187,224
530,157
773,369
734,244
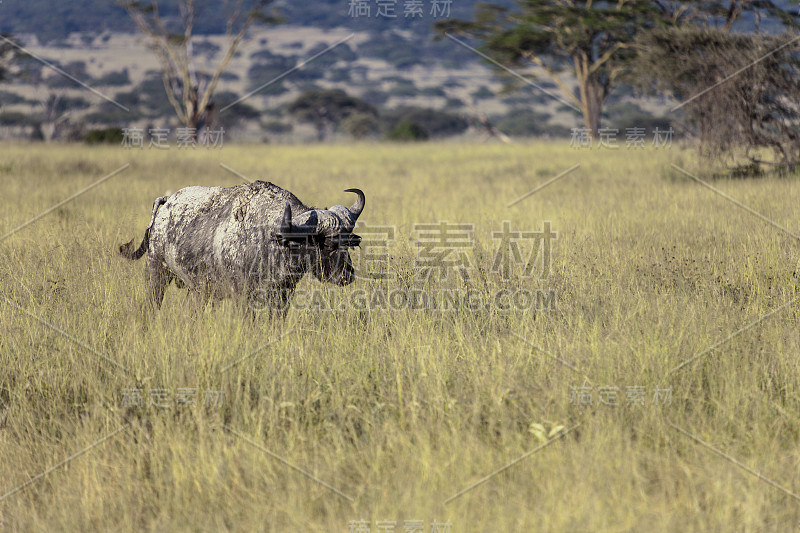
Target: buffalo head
x,y
320,240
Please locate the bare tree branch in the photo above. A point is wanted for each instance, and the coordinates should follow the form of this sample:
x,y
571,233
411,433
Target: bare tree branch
x,y
188,93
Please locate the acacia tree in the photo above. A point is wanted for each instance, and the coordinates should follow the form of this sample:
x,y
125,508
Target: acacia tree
x,y
740,92
327,108
191,94
594,41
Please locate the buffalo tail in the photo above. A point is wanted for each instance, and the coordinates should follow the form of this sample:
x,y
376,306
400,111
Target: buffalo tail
x,y
127,251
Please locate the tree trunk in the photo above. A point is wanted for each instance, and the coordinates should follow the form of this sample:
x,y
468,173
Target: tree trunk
x,y
321,131
592,93
591,105
48,129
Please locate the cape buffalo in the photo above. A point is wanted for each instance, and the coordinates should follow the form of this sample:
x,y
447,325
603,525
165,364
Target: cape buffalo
x,y
255,240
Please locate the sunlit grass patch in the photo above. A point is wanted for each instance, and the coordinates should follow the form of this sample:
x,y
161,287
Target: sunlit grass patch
x,y
401,408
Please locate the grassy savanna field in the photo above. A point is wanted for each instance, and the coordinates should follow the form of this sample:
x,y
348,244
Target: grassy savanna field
x,y
400,410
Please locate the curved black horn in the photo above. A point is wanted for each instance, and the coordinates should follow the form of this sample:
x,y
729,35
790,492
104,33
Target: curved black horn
x,y
286,221
359,205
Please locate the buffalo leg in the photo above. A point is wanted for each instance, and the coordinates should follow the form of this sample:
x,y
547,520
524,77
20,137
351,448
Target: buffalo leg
x,y
196,301
157,278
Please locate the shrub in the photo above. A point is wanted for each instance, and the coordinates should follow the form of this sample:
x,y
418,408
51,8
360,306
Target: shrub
x,y
361,125
435,123
406,130
104,136
277,127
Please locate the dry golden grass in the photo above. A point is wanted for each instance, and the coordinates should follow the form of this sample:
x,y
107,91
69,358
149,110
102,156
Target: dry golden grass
x,y
401,410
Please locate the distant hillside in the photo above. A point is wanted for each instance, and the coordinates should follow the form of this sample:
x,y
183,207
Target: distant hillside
x,y
51,21
392,64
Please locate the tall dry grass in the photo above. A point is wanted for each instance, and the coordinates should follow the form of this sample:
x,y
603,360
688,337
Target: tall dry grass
x,y
401,410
